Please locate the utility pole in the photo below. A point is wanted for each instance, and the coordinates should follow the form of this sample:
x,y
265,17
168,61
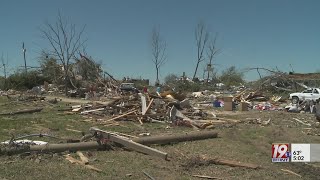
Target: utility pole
x,y
24,57
5,72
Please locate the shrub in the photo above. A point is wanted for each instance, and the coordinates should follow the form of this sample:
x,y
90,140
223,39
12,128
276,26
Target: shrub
x,y
23,80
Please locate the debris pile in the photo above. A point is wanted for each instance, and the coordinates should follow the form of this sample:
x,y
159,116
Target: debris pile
x,y
167,107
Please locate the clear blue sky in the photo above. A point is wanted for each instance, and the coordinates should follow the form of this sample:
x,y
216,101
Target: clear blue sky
x,y
263,33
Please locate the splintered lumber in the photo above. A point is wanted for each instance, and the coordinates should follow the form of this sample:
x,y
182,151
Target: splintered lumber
x,y
73,130
298,120
123,115
149,105
131,144
76,109
146,115
232,163
93,110
23,111
76,161
143,104
210,121
83,158
148,175
291,172
190,136
205,177
76,106
174,113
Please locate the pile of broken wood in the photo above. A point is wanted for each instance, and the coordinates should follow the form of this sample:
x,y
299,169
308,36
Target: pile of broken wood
x,y
167,107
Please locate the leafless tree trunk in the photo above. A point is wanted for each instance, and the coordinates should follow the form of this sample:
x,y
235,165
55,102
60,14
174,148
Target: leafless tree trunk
x,y
211,53
158,46
202,36
65,41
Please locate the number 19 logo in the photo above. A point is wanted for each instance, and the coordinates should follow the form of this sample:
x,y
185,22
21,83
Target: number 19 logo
x,y
280,152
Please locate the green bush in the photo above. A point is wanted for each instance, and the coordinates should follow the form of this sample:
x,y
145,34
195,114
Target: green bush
x,y
23,80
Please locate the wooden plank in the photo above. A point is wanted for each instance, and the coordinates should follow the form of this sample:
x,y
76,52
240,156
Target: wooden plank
x,y
123,115
143,104
131,144
298,120
76,161
146,115
205,177
291,172
83,158
210,121
140,121
76,109
139,147
149,105
93,110
233,163
148,175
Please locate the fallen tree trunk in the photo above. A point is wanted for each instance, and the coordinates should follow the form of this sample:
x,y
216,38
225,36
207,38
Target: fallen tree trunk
x,y
23,111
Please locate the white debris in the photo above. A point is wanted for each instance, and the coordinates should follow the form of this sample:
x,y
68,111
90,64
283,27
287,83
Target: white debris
x,y
25,141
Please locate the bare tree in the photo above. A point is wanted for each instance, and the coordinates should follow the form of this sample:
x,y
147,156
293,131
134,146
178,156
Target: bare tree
x,y
65,41
158,46
212,51
202,37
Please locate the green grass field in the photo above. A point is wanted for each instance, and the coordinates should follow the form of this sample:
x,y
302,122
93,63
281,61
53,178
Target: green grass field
x,y
242,142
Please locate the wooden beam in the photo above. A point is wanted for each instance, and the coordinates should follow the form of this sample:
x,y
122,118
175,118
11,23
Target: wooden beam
x,y
131,144
232,163
83,158
139,147
149,105
298,120
205,177
93,110
146,115
143,104
123,115
76,161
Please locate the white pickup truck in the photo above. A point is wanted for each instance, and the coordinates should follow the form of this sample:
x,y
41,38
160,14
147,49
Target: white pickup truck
x,y
308,94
